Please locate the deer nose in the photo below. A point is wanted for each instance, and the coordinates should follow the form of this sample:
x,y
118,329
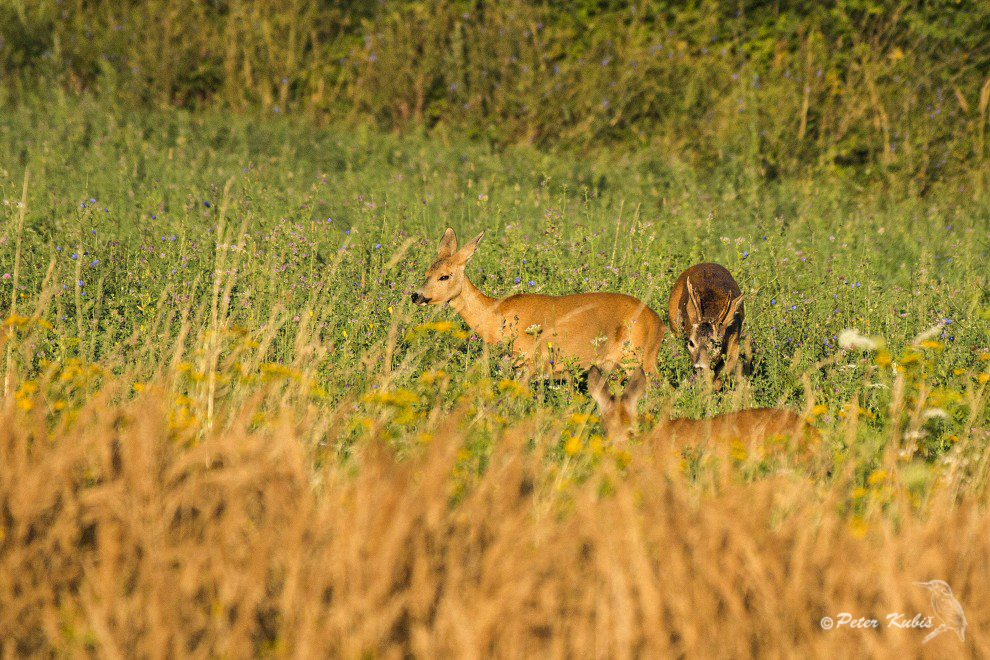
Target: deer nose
x,y
415,297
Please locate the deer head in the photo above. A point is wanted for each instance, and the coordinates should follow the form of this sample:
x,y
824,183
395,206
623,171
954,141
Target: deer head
x,y
618,412
445,278
706,338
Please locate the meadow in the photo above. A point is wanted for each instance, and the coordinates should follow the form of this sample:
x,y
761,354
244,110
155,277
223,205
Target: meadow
x,y
228,431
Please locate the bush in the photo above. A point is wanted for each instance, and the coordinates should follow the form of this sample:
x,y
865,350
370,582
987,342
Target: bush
x,y
883,90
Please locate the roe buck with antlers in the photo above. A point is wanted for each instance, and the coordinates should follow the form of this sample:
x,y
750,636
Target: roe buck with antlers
x,y
706,306
746,426
591,328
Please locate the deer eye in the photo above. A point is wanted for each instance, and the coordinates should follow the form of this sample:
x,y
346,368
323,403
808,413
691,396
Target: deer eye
x,y
691,344
444,277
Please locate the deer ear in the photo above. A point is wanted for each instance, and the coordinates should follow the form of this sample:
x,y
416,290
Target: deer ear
x,y
467,251
448,244
732,310
598,387
693,305
635,387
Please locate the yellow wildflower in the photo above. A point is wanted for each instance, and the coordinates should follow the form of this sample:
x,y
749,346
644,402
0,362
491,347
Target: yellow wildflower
x,y
910,358
430,377
572,446
27,388
877,477
407,417
363,423
440,326
581,419
273,370
512,388
622,458
738,451
401,398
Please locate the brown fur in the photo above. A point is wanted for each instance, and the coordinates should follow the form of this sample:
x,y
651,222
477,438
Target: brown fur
x,y
706,307
546,329
749,427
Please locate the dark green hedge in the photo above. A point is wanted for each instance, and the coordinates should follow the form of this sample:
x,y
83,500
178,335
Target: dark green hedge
x,y
898,88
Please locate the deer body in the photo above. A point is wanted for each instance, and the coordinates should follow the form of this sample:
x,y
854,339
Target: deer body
x,y
746,426
591,328
705,307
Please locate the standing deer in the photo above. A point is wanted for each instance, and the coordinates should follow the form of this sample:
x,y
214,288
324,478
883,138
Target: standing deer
x,y
706,306
746,426
591,328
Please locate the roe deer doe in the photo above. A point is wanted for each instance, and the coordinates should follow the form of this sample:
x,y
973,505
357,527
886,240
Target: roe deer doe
x,y
746,426
706,306
591,328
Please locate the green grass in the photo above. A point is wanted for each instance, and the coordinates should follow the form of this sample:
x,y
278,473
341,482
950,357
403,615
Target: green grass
x,y
237,435
323,234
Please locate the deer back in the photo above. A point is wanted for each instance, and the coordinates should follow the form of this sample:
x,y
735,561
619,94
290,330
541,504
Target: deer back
x,y
543,330
749,427
714,290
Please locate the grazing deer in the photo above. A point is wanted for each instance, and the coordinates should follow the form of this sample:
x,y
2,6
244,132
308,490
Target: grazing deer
x,y
591,328
706,306
746,426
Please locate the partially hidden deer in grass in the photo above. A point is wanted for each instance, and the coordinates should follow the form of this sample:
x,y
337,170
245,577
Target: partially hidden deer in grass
x,y
706,307
749,427
589,328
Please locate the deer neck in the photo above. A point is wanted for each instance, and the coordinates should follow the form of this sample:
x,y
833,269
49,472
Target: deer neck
x,y
478,311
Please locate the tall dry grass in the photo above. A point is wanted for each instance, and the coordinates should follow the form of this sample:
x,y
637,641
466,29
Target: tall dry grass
x,y
122,534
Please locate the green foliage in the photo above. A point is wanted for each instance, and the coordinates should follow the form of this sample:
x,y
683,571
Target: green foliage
x,y
888,91
313,250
